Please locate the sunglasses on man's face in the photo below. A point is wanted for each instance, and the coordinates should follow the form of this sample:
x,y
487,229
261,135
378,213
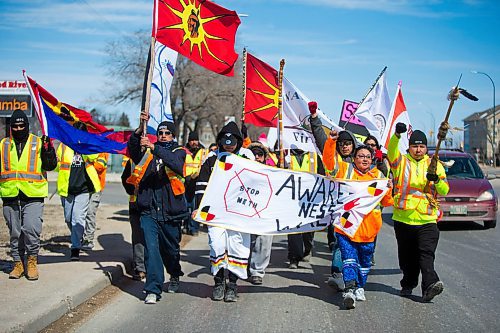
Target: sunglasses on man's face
x,y
164,133
258,154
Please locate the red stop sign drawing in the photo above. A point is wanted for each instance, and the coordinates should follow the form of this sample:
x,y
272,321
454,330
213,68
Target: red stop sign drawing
x,y
248,193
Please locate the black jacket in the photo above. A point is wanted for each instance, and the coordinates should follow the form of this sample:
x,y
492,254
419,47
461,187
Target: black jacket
x,y
155,195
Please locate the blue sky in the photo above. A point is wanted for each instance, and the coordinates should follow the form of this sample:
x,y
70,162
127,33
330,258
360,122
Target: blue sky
x,y
334,49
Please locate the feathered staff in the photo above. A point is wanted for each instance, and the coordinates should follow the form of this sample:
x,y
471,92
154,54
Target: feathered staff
x,y
453,95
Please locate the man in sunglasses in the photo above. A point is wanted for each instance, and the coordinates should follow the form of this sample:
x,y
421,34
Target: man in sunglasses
x,y
158,178
23,187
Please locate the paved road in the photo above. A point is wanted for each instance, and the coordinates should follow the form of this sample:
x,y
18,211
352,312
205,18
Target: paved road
x,y
299,300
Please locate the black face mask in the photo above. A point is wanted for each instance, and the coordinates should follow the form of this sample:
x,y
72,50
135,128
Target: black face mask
x,y
21,135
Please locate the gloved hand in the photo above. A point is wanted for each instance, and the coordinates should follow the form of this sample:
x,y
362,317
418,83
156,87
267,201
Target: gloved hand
x,y
313,107
432,177
443,130
46,142
400,128
244,130
378,155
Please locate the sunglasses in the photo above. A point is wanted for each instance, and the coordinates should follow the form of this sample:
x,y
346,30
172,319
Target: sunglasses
x,y
164,133
258,154
372,144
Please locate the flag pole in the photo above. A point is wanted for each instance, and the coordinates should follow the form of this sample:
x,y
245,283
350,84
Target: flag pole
x,y
147,100
280,114
369,91
244,84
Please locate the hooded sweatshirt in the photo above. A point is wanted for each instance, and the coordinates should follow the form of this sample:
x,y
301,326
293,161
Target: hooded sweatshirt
x,y
206,168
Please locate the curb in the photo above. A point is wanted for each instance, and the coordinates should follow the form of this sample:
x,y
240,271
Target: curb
x,y
72,300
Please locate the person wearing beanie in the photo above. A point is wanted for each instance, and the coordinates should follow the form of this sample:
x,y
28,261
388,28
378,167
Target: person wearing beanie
x,y
23,189
344,150
195,156
77,181
229,249
415,214
158,177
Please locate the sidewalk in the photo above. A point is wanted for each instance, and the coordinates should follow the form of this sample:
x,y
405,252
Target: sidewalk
x,y
30,306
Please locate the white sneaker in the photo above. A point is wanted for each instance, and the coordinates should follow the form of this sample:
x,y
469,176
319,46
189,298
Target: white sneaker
x,y
150,299
360,294
349,299
336,281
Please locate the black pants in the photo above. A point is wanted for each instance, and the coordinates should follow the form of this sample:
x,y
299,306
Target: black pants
x,y
300,245
416,252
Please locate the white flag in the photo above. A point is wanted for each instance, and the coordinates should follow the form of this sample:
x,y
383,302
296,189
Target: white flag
x,y
398,114
296,127
374,110
163,74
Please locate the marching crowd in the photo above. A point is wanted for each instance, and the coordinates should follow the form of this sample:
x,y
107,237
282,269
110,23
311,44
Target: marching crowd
x,y
166,181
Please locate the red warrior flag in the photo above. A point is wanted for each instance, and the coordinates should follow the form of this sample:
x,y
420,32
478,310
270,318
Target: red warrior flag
x,y
200,30
261,94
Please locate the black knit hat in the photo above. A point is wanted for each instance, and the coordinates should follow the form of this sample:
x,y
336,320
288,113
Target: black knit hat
x,y
344,136
166,125
418,138
18,117
193,136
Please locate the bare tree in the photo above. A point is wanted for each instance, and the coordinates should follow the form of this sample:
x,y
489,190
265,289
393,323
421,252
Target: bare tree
x,y
198,96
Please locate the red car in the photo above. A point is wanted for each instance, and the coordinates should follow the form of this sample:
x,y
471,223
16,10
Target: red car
x,y
471,196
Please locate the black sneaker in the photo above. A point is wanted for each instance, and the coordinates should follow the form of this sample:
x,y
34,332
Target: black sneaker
x,y
231,292
257,280
75,255
218,291
173,286
432,291
405,292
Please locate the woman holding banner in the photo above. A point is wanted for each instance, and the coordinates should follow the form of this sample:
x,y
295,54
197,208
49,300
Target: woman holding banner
x,y
356,250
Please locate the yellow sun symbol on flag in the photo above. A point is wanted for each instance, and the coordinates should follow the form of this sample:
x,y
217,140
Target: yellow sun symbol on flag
x,y
274,97
192,26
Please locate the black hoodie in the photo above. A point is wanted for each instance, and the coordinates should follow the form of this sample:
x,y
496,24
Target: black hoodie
x,y
206,168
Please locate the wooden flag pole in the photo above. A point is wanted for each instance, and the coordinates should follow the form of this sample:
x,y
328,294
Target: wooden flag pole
x,y
144,123
280,114
369,90
244,84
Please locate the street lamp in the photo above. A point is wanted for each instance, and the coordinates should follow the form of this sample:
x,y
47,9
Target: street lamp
x,y
432,140
494,118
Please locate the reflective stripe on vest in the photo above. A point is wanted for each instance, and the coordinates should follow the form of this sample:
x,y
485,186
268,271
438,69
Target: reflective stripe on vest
x,y
308,163
140,169
403,185
22,172
31,174
193,165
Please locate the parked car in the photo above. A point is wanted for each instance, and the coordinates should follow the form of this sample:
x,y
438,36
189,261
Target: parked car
x,y
471,196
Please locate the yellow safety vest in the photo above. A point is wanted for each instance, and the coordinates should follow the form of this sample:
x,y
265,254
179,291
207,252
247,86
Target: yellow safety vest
x,y
193,164
24,173
176,181
411,205
65,158
309,163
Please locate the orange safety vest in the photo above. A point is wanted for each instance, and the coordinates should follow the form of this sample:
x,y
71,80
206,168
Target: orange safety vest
x,y
176,181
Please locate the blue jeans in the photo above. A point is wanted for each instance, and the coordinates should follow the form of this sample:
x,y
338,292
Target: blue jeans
x,y
193,226
162,240
75,211
356,258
